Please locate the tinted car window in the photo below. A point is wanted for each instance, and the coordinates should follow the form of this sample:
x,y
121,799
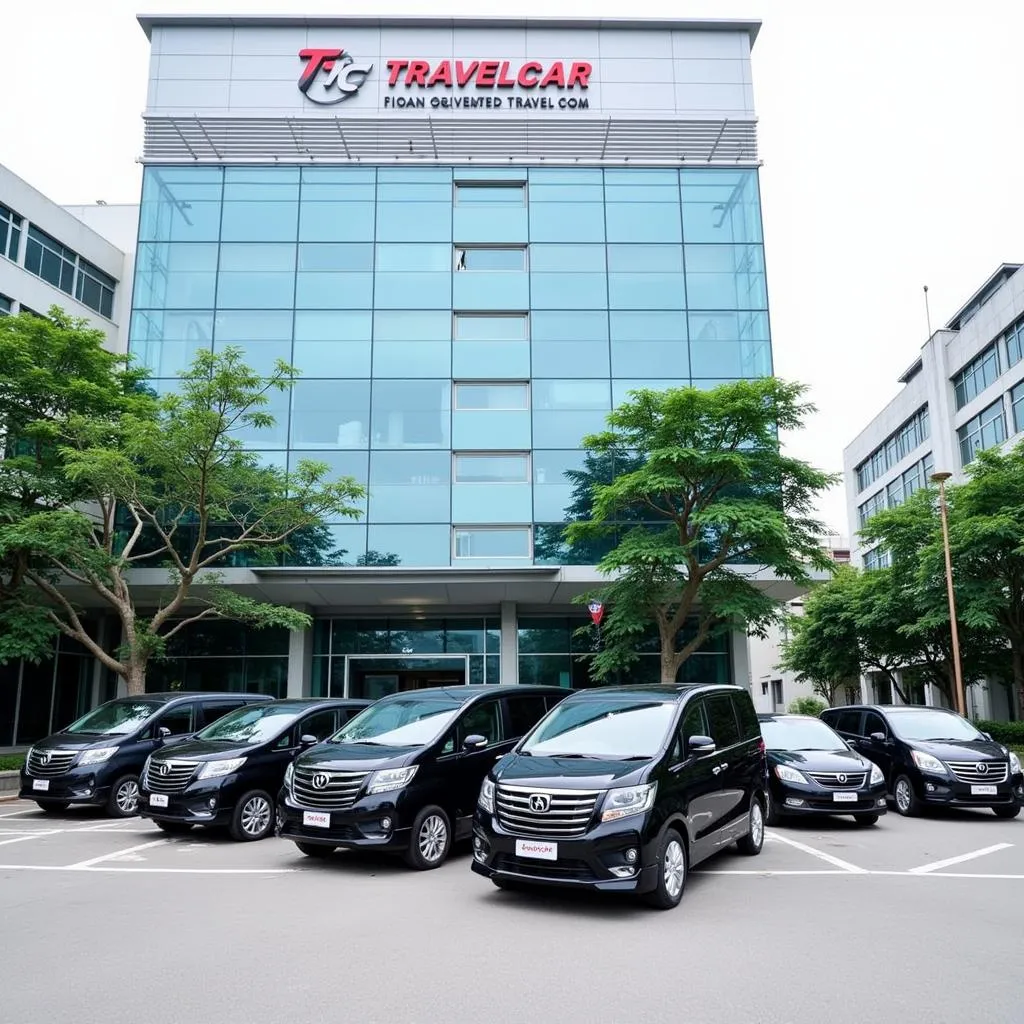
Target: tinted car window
x,y
524,713
874,722
746,715
694,723
178,720
212,710
722,721
321,724
118,718
483,719
847,721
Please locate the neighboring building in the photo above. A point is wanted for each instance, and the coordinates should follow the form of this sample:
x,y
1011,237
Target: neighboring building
x,y
474,237
963,393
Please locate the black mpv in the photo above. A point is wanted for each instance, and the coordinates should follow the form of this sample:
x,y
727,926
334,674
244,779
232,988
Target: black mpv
x,y
932,756
403,776
811,770
230,773
625,789
98,759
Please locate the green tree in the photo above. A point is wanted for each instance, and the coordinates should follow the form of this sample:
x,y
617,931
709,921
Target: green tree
x,y
807,706
711,490
169,481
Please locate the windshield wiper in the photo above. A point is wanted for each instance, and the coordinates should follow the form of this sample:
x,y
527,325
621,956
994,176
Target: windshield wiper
x,y
634,757
582,756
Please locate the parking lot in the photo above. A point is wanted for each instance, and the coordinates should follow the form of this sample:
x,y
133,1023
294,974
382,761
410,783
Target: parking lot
x,y
914,919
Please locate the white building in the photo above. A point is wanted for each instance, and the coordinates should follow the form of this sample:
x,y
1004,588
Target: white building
x,y
963,393
76,258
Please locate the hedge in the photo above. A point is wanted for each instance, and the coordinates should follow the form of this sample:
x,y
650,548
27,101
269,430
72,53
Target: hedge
x,y
1004,732
11,762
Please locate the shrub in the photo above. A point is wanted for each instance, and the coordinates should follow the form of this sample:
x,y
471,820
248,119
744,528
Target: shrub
x,y
807,706
11,762
1011,733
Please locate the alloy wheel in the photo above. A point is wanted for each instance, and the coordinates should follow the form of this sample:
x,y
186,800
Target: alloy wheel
x,y
433,838
675,868
128,796
756,823
903,796
255,816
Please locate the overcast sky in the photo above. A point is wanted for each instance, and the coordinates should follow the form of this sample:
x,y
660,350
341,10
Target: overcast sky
x,y
893,149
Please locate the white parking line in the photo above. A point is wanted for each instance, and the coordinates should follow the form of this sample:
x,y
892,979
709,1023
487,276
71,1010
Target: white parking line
x,y
14,814
147,871
820,854
21,839
925,869
117,853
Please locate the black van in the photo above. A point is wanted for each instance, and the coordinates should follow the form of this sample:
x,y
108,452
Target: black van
x,y
625,789
98,759
230,773
403,776
932,756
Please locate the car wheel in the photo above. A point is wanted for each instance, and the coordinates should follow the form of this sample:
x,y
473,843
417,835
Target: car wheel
x,y
123,801
903,793
865,820
174,828
53,806
253,817
1007,812
673,864
430,841
752,842
315,850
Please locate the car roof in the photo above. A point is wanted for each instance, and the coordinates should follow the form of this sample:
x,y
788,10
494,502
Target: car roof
x,y
890,708
302,703
668,692
166,698
775,716
475,690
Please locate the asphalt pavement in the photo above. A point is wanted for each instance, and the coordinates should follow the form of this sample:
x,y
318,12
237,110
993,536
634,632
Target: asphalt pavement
x,y
913,920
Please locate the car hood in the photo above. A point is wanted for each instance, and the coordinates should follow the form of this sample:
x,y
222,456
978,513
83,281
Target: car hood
x,y
820,760
356,757
961,750
569,772
79,741
204,750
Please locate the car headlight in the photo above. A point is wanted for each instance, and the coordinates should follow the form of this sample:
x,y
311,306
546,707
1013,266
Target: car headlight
x,y
97,756
389,779
289,774
486,799
622,803
877,775
213,769
787,774
927,763
1014,764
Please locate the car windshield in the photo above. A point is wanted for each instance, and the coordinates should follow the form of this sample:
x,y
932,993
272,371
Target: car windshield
x,y
799,734
933,725
602,729
403,722
250,725
117,718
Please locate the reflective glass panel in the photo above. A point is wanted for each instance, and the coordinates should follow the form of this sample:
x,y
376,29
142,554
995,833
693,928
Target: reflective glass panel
x,y
411,414
166,342
332,344
175,276
513,542
330,414
721,206
256,276
491,469
410,487
492,396
263,335
409,545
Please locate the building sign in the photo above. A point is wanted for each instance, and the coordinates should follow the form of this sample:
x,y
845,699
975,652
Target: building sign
x,y
333,75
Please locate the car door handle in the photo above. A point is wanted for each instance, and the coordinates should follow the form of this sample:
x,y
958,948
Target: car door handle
x,y
723,766
715,771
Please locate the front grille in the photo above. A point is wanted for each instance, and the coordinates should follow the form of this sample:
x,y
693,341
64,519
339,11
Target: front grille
x,y
177,777
832,780
44,764
338,791
576,870
980,772
567,816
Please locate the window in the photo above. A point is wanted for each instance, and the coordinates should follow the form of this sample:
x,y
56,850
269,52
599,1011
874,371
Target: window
x,y
983,431
777,699
874,504
492,542
895,447
95,289
876,558
485,259
491,469
694,723
212,710
503,327
5,306
722,721
321,724
848,722
10,233
1017,404
1014,340
490,193
873,722
492,396
524,713
976,376
178,720
482,720
47,258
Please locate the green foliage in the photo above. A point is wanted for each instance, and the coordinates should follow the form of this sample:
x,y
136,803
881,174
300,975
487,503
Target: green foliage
x,y
697,484
11,762
1010,733
807,706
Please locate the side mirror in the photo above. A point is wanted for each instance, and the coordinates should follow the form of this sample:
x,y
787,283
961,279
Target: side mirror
x,y
474,742
700,746
162,733
308,741
878,737
988,736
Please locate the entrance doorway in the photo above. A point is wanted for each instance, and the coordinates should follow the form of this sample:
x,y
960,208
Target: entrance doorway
x,y
369,678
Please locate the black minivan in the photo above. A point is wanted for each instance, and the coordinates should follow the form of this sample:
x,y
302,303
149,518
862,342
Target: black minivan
x,y
625,789
403,776
98,759
932,756
230,773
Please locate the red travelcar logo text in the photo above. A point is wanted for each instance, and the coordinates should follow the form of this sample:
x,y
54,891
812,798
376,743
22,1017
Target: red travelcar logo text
x,y
331,76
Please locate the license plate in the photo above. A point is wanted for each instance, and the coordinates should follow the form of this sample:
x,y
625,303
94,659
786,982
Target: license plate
x,y
316,819
983,790
41,784
539,851
157,799
844,798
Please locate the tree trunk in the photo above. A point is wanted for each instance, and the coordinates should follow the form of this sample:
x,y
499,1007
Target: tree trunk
x,y
1017,658
668,662
136,678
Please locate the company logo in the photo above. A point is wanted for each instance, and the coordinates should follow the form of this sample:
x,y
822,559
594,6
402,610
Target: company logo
x,y
45,759
163,769
540,803
981,768
320,780
842,777
331,76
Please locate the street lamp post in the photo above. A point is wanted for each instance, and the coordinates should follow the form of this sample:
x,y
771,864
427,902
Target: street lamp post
x,y
961,697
